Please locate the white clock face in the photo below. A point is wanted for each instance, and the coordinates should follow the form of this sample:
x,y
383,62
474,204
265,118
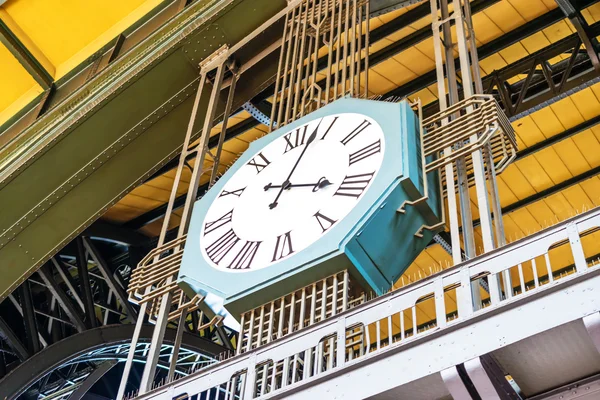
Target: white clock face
x,y
292,192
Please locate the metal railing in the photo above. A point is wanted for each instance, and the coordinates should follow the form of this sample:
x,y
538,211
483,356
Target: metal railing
x,y
525,269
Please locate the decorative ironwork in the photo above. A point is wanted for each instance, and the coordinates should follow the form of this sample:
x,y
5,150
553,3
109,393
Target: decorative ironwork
x,y
311,27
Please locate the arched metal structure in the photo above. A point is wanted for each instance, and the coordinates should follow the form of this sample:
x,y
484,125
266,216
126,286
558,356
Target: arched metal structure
x,y
45,373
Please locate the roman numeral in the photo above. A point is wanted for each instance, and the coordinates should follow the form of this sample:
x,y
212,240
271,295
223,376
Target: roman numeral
x,y
365,152
283,246
237,192
244,258
216,224
260,165
363,125
328,129
354,185
295,139
221,247
324,221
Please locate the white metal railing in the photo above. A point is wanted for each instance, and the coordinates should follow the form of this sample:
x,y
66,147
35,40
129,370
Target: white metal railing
x,y
523,270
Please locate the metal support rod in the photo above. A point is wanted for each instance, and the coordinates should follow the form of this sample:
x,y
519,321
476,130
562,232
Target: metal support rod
x,y
68,280
177,345
108,276
91,379
13,341
61,297
31,329
84,283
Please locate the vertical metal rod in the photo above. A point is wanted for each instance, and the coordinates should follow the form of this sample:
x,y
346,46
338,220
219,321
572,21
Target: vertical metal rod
x,y
308,58
177,345
286,371
313,304
219,149
261,321
353,50
270,325
324,300
277,103
334,300
521,279
182,159
359,49
495,197
330,50
292,311
274,377
390,332
449,170
281,318
227,389
535,273
549,268
345,55
285,71
162,318
199,161
345,292
240,342
402,325
250,332
367,39
338,51
300,64
302,309
289,105
414,319
378,334
134,340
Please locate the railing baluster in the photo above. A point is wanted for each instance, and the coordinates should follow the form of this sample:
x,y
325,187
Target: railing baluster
x,y
536,280
549,268
402,325
274,377
286,372
414,319
390,334
378,334
521,278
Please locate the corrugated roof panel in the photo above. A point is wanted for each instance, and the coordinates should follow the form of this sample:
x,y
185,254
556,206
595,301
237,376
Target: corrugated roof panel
x,y
530,9
534,173
519,185
571,157
504,16
592,188
553,165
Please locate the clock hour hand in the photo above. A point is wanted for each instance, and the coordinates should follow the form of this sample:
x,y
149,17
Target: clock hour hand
x,y
323,182
286,183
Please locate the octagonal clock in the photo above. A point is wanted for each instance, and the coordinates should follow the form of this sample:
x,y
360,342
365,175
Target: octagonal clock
x,y
313,198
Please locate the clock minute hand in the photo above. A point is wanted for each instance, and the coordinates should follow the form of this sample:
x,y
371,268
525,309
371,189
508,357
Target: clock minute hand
x,y
311,139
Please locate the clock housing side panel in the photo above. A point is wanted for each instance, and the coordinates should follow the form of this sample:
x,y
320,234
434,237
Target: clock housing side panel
x,y
389,239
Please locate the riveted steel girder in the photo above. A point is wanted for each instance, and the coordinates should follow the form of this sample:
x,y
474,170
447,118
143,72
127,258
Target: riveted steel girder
x,y
80,158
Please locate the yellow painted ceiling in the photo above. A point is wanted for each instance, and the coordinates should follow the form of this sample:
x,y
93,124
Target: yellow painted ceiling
x,y
18,87
61,34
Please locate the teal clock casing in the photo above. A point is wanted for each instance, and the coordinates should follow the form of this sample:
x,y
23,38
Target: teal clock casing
x,y
374,241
